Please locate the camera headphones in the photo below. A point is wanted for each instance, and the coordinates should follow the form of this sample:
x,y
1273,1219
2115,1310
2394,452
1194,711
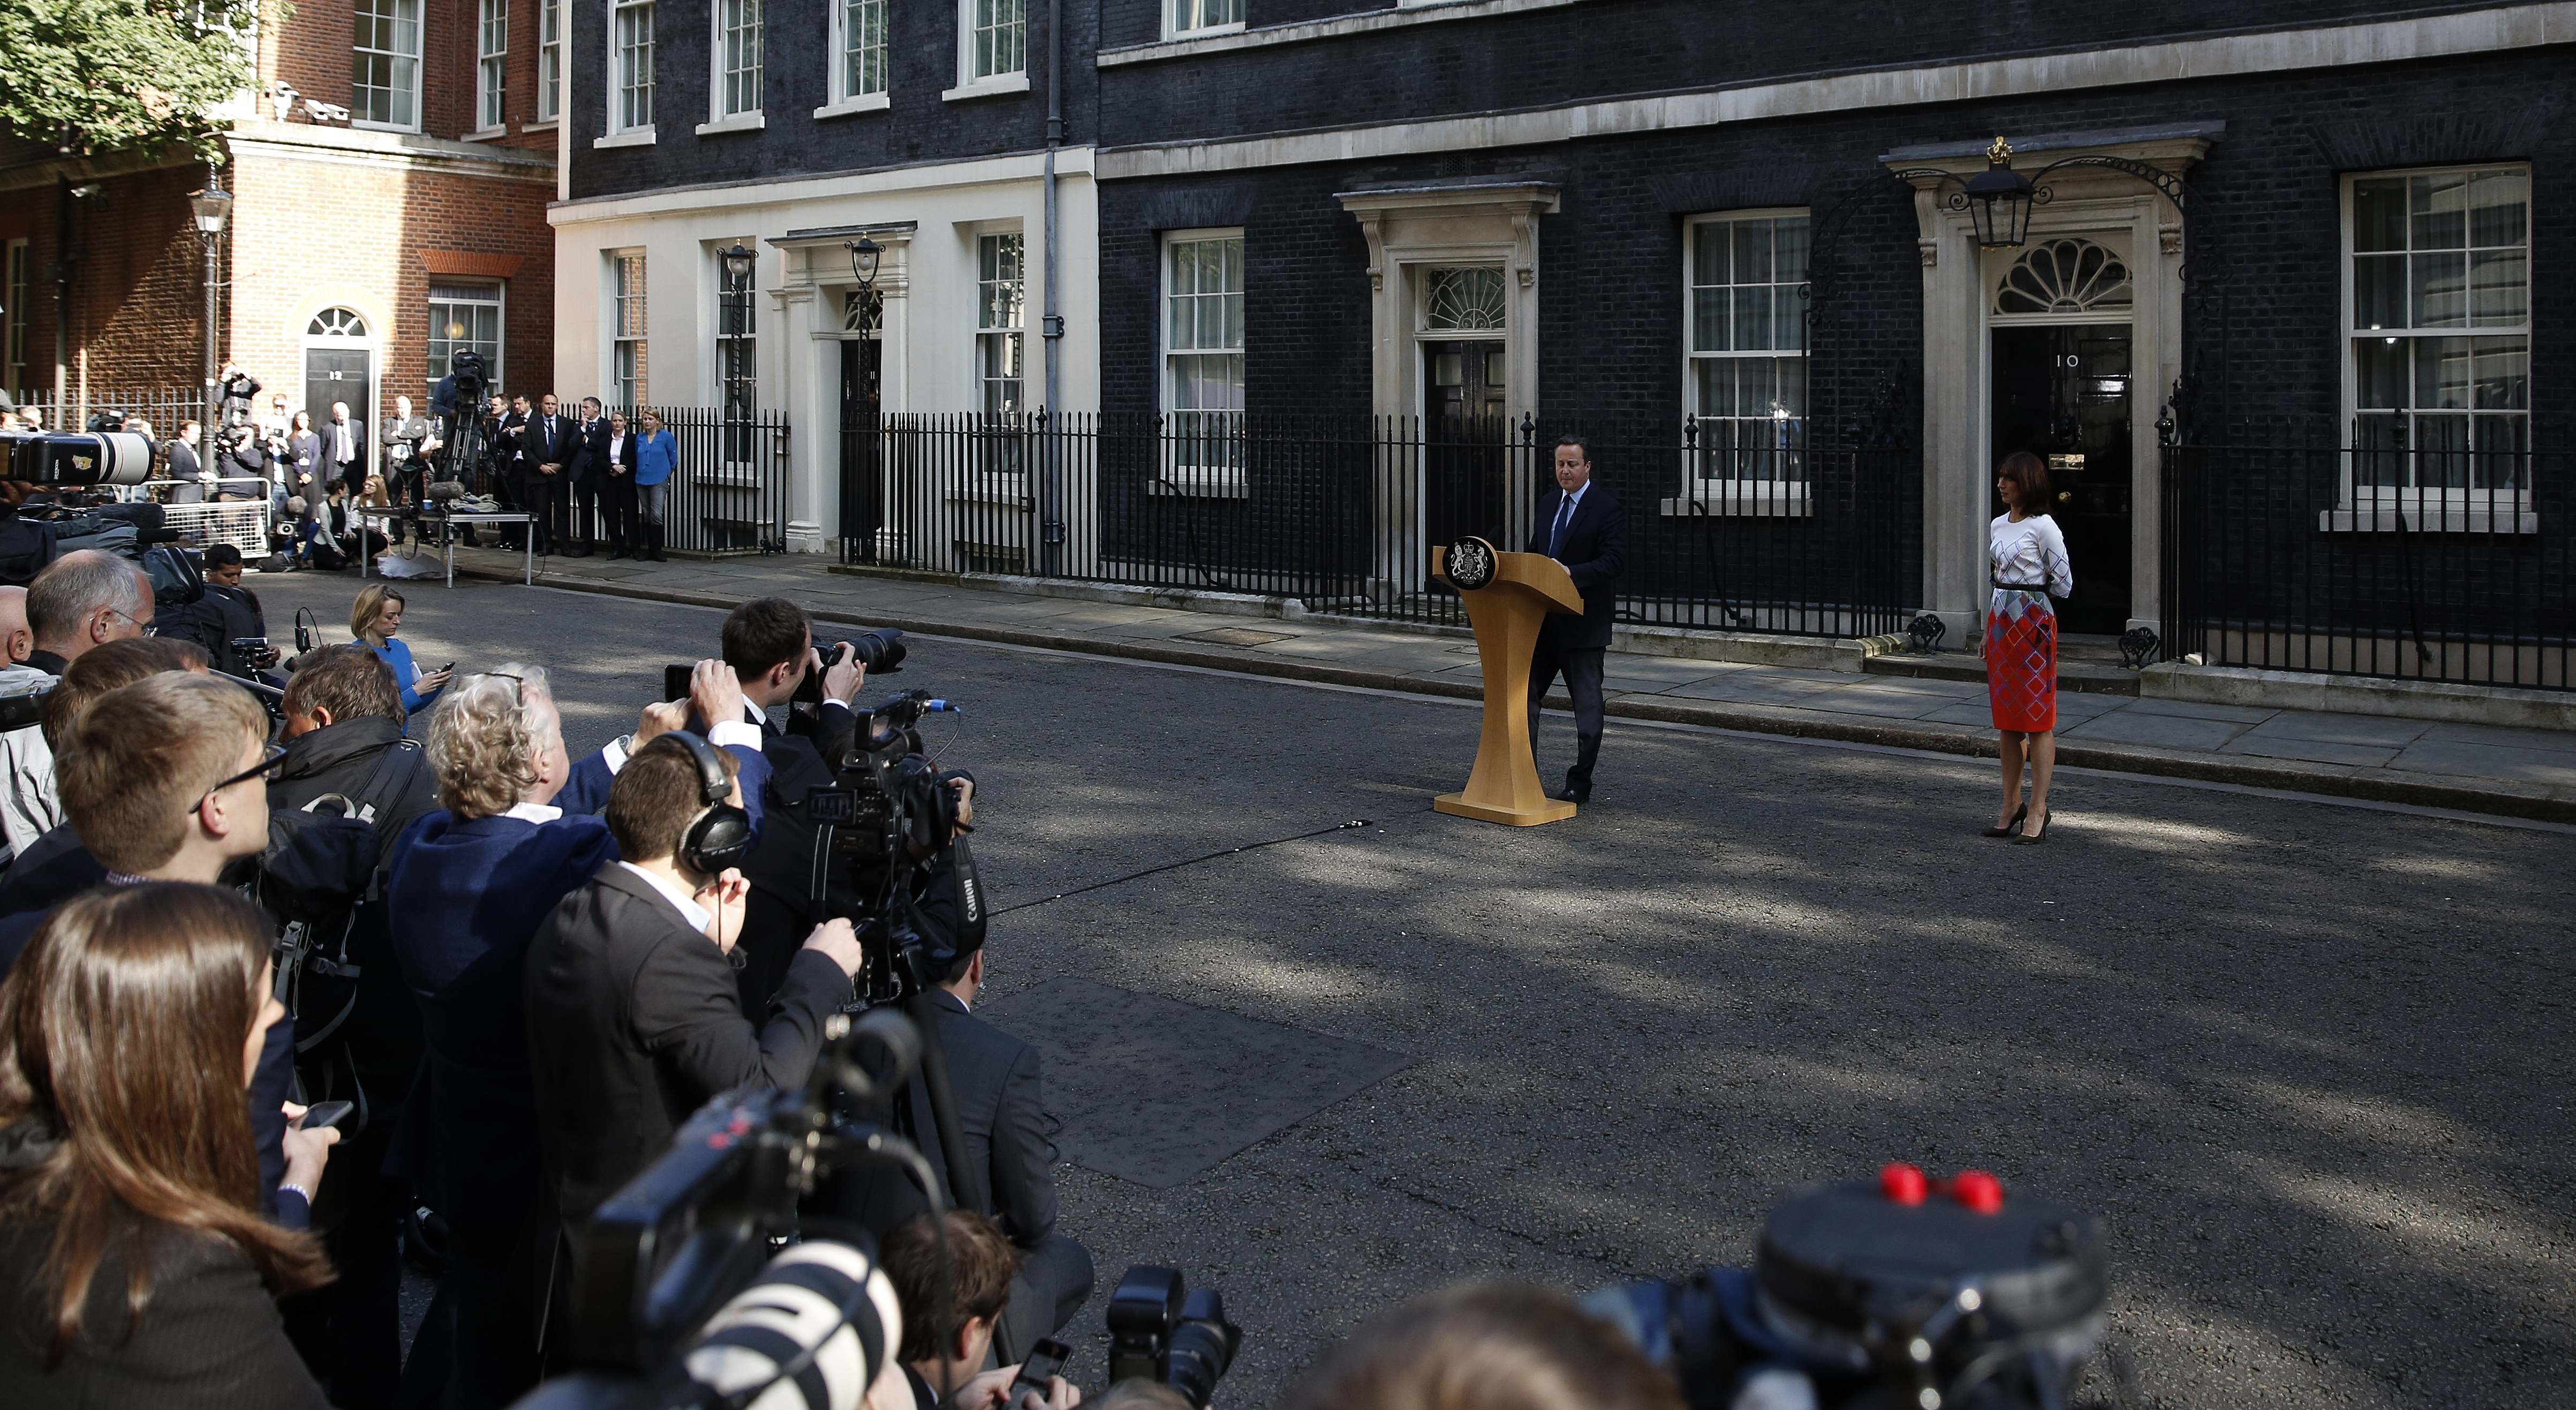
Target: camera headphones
x,y
720,836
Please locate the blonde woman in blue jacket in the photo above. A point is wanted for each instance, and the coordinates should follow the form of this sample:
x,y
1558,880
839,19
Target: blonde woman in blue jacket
x,y
657,458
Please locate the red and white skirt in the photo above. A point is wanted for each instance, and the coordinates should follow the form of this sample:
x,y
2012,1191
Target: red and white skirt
x,y
2021,668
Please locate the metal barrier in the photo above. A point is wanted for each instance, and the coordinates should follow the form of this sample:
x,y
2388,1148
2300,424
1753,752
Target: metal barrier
x,y
1757,531
2358,554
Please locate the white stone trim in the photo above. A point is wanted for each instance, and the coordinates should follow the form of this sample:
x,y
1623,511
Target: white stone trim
x,y
631,137
864,103
460,159
987,87
1412,12
739,122
2386,41
728,195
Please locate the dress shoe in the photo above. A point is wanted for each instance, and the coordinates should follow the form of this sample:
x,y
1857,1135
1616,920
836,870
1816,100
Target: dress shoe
x,y
2008,829
578,553
656,556
1577,794
616,553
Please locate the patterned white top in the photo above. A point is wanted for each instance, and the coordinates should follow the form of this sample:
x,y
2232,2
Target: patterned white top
x,y
2031,557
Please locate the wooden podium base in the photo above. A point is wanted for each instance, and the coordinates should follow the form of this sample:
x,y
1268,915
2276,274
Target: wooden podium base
x,y
1548,810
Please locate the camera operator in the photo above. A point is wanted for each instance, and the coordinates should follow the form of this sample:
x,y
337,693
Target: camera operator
x,y
226,620
141,1273
242,468
945,1338
470,885
344,741
1008,1160
770,646
633,1019
1489,1345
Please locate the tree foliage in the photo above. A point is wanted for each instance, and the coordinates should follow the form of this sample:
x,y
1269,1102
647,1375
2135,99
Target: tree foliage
x,y
93,76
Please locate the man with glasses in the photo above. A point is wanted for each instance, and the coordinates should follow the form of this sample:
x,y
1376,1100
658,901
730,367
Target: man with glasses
x,y
83,600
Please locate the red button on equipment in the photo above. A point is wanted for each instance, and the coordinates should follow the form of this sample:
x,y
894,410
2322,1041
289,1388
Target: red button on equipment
x,y
1901,1183
1979,1191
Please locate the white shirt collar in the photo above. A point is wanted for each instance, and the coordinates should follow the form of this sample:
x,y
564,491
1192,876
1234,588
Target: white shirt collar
x,y
534,812
1576,499
687,905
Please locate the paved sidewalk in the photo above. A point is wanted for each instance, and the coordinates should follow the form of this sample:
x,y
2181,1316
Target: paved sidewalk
x,y
2521,772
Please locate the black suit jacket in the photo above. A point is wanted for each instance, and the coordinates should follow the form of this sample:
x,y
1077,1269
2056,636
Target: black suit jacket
x,y
536,448
1595,545
1001,1120
326,468
589,466
633,1024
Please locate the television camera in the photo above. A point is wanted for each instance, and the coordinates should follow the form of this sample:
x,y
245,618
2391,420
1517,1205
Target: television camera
x,y
686,1255
457,402
78,459
1900,1291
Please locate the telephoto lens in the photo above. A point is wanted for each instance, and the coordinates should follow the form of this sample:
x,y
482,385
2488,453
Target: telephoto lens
x,y
1158,1334
1202,1346
880,651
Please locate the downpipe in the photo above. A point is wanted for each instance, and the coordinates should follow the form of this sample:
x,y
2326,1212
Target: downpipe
x,y
1051,525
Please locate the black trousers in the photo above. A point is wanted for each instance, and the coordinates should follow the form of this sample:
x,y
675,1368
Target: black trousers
x,y
582,508
1581,668
541,499
1053,1282
619,500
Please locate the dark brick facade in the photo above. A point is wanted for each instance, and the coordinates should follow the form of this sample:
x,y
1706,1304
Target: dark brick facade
x,y
916,126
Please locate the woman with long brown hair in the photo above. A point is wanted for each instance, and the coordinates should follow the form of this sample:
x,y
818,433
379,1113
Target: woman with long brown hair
x,y
2027,555
135,1269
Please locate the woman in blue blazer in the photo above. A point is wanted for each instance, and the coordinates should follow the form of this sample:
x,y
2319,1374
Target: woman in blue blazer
x,y
374,619
657,455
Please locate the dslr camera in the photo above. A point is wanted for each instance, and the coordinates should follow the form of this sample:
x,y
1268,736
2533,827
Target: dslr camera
x,y
78,459
234,409
1901,1291
1158,1331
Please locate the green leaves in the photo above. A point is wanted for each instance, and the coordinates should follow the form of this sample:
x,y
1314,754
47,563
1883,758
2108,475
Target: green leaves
x,y
92,76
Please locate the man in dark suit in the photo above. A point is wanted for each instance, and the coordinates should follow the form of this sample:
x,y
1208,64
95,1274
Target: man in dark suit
x,y
589,466
344,450
547,451
510,470
1583,529
633,1021
1007,1167
770,645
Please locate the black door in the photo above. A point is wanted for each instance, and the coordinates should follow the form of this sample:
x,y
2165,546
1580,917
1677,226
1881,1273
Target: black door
x,y
1464,434
338,374
2062,393
862,449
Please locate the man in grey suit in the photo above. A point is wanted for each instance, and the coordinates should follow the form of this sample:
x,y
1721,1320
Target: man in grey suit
x,y
1007,1169
633,1018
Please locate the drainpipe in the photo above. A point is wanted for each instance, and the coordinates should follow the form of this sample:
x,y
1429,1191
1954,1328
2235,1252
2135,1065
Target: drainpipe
x,y
1051,527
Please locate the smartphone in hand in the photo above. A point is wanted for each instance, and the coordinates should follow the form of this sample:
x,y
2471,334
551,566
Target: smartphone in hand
x,y
322,1114
1037,1374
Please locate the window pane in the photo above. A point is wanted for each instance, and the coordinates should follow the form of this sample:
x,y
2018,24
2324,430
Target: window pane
x,y
2502,374
1752,251
2380,372
2438,211
1752,313
1788,318
2379,213
2499,288
2441,452
2442,373
2499,207
1789,243
2441,293
2379,291
1709,320
1708,258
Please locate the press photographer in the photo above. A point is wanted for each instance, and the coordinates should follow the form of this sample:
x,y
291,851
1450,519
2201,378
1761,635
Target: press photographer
x,y
53,865
952,1297
226,620
633,1018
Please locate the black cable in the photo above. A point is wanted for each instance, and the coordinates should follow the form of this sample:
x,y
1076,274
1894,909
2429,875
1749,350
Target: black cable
x,y
1187,862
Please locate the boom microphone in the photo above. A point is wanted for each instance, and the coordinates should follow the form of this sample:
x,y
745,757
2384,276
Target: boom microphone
x,y
445,491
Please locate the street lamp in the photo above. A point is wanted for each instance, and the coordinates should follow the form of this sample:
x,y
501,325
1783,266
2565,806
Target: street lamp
x,y
738,260
213,206
1999,201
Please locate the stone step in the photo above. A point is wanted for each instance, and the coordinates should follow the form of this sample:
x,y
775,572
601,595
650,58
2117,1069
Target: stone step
x,y
2089,677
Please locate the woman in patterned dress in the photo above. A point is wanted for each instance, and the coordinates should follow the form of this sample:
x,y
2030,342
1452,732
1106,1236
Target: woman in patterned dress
x,y
2027,556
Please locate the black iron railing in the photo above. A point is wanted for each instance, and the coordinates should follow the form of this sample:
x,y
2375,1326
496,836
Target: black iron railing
x,y
729,494
1755,530
164,407
2359,554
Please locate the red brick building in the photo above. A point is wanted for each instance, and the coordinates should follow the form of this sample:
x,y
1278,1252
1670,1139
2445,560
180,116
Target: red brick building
x,y
390,174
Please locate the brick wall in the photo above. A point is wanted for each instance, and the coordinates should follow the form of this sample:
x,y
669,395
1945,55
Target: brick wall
x,y
313,50
918,126
138,294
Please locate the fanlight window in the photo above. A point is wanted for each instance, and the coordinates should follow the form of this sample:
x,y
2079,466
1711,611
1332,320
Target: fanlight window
x,y
1463,301
2064,276
336,323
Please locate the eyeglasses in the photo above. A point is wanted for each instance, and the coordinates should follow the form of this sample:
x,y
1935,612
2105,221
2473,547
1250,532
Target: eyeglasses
x,y
272,762
140,625
518,685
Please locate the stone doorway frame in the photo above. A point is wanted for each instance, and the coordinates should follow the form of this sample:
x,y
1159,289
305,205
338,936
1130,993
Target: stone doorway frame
x,y
1958,283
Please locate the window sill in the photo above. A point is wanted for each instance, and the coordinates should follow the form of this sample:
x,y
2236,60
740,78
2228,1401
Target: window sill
x,y
2510,518
1718,499
368,125
739,122
1008,488
633,137
1211,32
1200,484
864,103
486,134
988,87
544,125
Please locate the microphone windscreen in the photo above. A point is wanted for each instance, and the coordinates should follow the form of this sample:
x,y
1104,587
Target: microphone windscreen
x,y
446,490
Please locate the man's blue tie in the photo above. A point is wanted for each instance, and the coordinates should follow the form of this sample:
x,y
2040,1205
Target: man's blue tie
x,y
1556,535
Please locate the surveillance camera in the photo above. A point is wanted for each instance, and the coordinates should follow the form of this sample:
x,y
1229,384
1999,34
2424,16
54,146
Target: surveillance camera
x,y
85,190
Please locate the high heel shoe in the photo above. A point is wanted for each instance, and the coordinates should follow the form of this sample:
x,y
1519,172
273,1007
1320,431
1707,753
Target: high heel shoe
x,y
2033,839
2008,829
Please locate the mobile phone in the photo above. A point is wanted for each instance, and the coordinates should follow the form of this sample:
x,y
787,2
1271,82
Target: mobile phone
x,y
675,682
322,1114
1045,1362
448,667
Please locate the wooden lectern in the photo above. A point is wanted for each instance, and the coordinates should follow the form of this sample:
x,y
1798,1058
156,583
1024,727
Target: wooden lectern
x,y
1508,598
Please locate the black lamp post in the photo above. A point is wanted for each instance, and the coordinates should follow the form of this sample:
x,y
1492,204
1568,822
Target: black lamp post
x,y
739,260
213,206
865,254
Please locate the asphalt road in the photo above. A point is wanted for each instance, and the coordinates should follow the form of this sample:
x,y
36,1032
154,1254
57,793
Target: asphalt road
x,y
2308,1060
